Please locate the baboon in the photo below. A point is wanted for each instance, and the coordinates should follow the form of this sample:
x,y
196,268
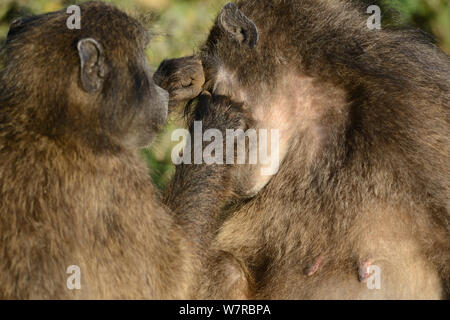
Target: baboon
x,y
75,107
225,276
364,179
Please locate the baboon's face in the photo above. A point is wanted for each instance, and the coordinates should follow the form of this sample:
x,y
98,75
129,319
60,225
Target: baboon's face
x,y
94,81
147,104
134,107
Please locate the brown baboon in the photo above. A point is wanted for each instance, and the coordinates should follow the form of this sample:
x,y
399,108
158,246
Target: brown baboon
x,y
364,121
75,106
225,276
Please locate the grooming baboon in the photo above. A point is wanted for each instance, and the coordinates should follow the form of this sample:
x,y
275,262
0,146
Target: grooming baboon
x,y
365,178
75,106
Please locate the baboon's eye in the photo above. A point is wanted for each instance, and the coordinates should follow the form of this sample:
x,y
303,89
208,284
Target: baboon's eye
x,y
21,24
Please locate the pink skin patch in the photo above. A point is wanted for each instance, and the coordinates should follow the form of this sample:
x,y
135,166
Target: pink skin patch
x,y
363,270
315,267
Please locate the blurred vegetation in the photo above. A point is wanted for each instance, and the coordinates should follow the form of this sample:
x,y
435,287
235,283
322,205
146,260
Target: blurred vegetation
x,y
180,26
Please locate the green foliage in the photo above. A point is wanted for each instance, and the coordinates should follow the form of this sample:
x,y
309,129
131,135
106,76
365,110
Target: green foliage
x,y
180,26
432,16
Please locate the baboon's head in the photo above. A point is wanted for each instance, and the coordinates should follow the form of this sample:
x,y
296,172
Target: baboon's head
x,y
271,56
248,61
92,83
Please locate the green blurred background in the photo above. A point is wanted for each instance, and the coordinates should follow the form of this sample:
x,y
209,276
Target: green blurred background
x,y
180,26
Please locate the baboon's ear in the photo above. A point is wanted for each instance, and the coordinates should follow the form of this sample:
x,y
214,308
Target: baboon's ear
x,y
238,25
92,64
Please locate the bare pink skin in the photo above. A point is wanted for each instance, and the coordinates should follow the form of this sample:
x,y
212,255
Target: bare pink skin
x,y
363,270
315,267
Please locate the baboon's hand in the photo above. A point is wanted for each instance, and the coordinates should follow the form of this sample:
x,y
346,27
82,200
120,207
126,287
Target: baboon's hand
x,y
220,112
182,77
223,114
